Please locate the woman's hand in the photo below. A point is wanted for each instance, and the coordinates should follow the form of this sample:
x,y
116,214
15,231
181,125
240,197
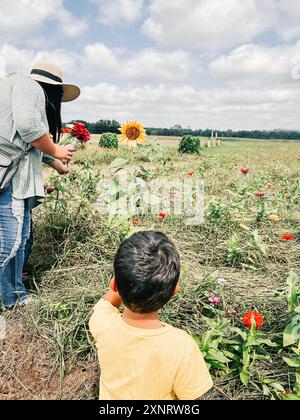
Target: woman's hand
x,y
45,144
60,167
64,153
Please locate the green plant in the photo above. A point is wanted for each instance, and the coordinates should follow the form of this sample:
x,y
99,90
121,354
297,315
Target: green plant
x,y
291,334
212,344
234,250
190,144
109,141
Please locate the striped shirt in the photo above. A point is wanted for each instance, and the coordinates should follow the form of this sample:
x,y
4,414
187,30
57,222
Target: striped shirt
x,y
24,120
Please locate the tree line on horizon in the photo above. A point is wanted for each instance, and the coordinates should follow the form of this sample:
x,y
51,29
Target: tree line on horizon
x,y
112,126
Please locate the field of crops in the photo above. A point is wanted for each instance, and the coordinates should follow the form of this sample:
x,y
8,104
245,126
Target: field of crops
x,y
244,257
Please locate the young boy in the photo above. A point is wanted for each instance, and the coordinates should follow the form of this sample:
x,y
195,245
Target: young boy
x,y
140,357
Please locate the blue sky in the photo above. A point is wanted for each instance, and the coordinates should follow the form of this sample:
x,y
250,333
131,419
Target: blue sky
x,y
200,63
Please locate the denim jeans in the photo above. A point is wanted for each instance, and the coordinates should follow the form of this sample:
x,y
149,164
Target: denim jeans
x,y
28,247
14,233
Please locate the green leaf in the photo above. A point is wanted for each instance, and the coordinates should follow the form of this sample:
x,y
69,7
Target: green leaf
x,y
291,397
245,378
118,164
218,355
241,333
267,342
290,335
246,358
294,363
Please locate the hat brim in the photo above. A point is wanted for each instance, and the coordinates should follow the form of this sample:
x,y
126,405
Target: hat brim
x,y
71,92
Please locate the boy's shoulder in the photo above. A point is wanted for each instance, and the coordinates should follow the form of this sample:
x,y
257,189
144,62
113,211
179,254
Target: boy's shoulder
x,y
181,336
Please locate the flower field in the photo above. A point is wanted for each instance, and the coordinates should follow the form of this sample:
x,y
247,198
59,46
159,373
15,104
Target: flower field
x,y
240,284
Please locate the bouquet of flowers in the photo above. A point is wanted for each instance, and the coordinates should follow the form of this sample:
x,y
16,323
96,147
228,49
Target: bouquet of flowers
x,y
75,134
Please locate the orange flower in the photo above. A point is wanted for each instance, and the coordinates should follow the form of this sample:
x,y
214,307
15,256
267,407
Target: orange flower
x,y
256,316
288,237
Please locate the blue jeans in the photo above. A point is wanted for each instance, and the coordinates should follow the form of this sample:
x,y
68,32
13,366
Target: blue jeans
x,y
14,233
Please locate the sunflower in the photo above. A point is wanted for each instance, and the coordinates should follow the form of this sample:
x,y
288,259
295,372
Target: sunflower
x,y
133,133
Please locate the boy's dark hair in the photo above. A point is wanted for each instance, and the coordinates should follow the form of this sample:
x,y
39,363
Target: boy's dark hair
x,y
147,270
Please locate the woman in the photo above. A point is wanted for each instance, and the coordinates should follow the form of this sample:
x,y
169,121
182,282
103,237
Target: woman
x,y
30,115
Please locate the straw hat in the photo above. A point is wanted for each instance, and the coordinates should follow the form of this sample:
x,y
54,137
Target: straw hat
x,y
48,73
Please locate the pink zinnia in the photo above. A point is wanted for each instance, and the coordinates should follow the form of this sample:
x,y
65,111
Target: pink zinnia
x,y
260,194
214,301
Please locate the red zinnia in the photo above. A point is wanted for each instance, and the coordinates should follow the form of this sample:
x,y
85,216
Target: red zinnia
x,y
162,215
245,171
80,132
258,319
287,237
134,222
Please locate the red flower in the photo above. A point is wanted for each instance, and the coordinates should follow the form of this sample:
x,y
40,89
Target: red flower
x,y
288,237
80,132
134,222
245,170
260,194
66,130
163,215
190,173
258,319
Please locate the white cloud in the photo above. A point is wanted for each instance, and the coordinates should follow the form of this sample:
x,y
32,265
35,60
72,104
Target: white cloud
x,y
23,17
165,105
219,24
146,65
287,23
119,11
21,60
155,65
98,62
258,64
205,24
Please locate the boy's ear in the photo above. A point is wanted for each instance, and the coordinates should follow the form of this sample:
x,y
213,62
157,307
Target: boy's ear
x,y
177,289
113,285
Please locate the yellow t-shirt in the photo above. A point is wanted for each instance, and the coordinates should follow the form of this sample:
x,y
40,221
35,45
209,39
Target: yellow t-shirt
x,y
143,364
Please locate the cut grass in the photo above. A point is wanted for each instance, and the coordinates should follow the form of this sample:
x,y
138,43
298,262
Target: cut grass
x,y
73,260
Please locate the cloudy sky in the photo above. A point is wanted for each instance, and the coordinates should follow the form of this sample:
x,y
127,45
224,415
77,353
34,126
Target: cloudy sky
x,y
200,63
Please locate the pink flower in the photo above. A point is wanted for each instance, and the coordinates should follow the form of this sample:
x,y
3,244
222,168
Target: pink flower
x,y
214,301
174,194
245,170
260,194
232,312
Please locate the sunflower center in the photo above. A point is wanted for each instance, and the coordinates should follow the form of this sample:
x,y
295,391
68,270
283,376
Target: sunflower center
x,y
132,133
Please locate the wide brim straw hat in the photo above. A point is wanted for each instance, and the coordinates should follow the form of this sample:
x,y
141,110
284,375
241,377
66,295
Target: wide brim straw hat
x,y
52,75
